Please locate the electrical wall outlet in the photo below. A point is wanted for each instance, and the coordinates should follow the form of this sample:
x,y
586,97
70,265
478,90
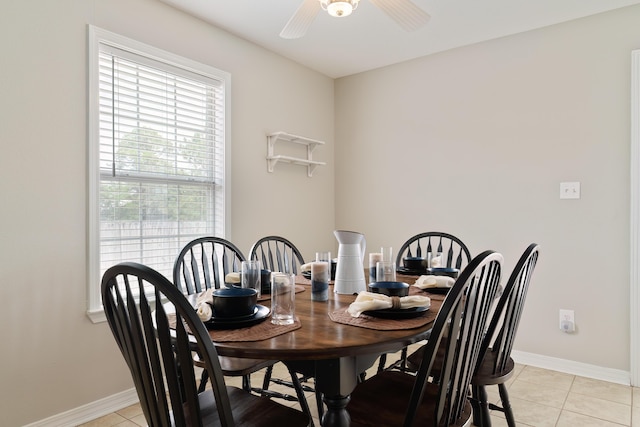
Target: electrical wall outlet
x,y
567,321
569,190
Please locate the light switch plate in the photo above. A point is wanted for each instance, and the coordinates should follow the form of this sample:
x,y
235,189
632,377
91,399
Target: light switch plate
x,y
569,190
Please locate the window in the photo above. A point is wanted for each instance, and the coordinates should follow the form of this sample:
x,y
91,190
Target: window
x,y
156,155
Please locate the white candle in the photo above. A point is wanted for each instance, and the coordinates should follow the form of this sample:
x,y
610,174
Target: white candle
x,y
319,267
319,281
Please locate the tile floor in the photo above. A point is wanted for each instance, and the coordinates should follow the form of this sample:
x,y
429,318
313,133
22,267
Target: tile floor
x,y
539,397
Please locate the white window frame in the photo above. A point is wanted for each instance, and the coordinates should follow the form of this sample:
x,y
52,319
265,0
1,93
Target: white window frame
x,y
96,38
634,261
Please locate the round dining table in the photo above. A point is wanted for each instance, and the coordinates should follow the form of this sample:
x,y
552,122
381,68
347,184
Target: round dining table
x,y
340,352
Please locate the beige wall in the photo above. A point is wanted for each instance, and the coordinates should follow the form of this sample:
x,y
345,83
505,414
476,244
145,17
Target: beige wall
x,y
53,358
475,141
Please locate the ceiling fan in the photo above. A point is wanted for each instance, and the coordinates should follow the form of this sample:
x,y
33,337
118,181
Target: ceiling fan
x,y
409,16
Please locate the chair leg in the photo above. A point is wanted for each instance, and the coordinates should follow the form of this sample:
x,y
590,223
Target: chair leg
x,y
506,405
300,394
480,405
382,362
203,381
319,404
246,383
403,359
267,379
400,364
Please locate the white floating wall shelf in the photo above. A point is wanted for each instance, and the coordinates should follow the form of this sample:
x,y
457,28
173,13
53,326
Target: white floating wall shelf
x,y
273,159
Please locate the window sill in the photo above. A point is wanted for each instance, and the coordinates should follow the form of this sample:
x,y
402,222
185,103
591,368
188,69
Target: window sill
x,y
97,316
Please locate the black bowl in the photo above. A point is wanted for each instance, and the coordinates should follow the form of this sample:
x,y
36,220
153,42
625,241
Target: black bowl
x,y
414,263
234,302
392,289
443,271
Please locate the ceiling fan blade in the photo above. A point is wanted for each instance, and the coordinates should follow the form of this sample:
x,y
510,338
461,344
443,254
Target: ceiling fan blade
x,y
409,16
301,20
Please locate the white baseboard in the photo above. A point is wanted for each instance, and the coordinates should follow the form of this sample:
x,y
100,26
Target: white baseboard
x,y
90,411
126,398
570,367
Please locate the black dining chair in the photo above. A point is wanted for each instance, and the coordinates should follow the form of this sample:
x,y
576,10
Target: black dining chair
x,y
279,254
437,395
204,263
455,252
157,341
456,255
496,365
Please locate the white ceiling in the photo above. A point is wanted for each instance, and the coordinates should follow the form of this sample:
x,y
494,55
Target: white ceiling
x,y
369,39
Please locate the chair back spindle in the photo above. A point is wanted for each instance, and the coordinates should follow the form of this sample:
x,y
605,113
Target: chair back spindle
x,y
204,263
456,253
277,254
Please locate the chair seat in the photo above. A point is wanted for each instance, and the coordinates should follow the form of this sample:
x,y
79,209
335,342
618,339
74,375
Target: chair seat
x,y
382,401
484,375
250,410
237,366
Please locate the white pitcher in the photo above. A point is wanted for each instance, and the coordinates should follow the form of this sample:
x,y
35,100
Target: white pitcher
x,y
350,266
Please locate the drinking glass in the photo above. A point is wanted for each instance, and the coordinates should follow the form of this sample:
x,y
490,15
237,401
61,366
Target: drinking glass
x,y
250,275
283,291
374,259
386,271
323,257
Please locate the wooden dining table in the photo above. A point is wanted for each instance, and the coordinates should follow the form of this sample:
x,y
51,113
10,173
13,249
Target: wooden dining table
x,y
340,352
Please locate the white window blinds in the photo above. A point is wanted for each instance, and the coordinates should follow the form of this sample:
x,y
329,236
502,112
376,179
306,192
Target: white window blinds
x,y
161,142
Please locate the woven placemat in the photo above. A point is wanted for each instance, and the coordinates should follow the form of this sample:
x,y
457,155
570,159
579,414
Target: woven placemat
x,y
261,331
301,280
434,296
380,324
267,297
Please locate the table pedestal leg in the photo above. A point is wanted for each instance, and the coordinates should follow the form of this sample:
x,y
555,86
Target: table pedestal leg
x,y
336,379
336,414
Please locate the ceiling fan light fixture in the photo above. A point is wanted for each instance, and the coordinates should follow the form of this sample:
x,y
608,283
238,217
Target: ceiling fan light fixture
x,y
339,8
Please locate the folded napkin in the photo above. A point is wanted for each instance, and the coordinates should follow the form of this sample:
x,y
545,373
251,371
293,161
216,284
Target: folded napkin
x,y
203,306
305,267
206,296
232,277
366,301
204,311
430,281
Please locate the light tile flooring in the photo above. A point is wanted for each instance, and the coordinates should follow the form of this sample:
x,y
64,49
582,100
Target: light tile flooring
x,y
539,397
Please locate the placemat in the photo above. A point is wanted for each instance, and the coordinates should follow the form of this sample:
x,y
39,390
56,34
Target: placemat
x,y
417,291
261,331
267,297
301,280
370,322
